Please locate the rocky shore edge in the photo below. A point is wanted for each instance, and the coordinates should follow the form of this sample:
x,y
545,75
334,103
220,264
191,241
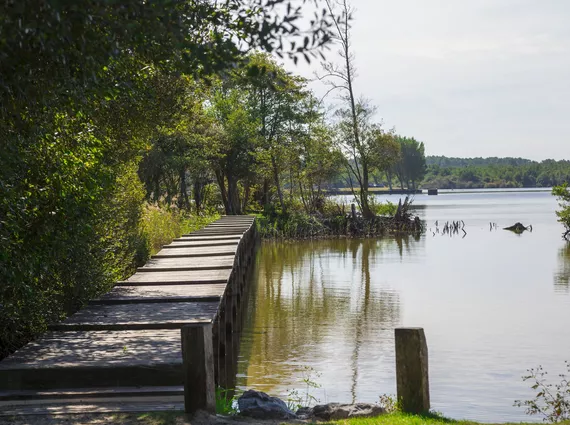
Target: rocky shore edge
x,y
259,405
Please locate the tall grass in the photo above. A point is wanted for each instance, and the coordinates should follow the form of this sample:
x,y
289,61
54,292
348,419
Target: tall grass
x,y
160,226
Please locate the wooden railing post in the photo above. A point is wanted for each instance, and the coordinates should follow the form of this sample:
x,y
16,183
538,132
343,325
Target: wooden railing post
x,y
412,375
198,368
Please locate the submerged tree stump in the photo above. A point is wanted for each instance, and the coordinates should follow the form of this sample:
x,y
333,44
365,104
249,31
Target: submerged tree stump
x,y
518,228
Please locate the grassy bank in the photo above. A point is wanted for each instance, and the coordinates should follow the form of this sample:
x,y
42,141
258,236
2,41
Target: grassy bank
x,y
337,220
159,227
178,418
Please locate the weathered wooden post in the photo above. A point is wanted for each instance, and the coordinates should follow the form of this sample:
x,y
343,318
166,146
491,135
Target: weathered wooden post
x,y
412,377
198,368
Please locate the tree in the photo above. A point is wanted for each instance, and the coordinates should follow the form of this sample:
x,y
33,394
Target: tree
x,y
355,116
86,86
411,168
362,155
275,99
237,138
561,192
385,152
316,159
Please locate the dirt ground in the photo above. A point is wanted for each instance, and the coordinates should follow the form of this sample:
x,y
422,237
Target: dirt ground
x,y
155,418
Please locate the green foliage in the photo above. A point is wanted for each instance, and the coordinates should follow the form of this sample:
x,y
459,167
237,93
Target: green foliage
x,y
561,192
465,173
88,88
65,240
411,167
552,401
225,402
389,403
382,209
450,162
296,400
160,226
333,221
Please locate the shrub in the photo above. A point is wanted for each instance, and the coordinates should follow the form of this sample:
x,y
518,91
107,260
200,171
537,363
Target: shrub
x,y
561,192
66,238
552,401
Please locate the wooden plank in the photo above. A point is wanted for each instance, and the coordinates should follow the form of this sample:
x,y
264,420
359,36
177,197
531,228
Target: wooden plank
x,y
227,224
198,368
148,404
107,358
193,237
412,371
179,277
192,244
207,232
138,316
88,393
196,251
162,293
191,263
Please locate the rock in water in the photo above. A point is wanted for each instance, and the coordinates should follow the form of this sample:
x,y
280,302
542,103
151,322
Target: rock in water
x,y
335,411
259,405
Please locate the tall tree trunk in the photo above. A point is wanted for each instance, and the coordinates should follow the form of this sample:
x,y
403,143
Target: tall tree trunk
x,y
197,192
389,178
365,206
277,183
222,184
265,195
183,202
233,196
247,190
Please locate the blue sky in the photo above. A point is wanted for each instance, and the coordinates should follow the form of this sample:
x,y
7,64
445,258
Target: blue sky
x,y
469,78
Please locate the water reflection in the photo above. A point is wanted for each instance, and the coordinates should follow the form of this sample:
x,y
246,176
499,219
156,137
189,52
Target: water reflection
x,y
486,303
321,304
562,275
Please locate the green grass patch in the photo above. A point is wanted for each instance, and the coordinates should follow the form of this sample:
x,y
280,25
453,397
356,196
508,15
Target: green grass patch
x,y
160,226
178,418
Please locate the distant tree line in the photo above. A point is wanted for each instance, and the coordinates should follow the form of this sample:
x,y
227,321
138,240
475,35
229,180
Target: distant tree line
x,y
457,173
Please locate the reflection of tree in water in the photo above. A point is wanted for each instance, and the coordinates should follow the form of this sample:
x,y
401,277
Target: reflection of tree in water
x,y
562,276
305,289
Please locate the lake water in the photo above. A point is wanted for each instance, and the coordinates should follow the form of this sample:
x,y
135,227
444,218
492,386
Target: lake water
x,y
492,304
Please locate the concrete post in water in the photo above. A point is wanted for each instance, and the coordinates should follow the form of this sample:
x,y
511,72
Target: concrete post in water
x,y
412,375
198,368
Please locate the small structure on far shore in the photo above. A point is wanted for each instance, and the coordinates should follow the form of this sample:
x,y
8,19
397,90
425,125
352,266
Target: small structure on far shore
x,y
432,191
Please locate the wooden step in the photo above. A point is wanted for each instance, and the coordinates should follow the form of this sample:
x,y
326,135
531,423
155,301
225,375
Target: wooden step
x,y
162,293
100,317
192,244
219,233
103,358
179,277
191,263
95,394
90,406
193,237
196,252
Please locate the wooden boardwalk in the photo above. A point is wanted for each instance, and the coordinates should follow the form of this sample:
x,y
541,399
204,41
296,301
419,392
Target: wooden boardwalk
x,y
122,352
